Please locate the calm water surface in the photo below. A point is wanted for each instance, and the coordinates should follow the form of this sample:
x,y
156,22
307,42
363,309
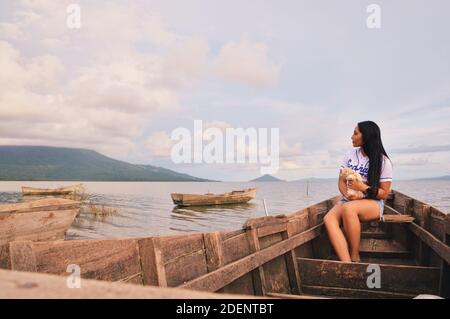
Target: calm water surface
x,y
146,209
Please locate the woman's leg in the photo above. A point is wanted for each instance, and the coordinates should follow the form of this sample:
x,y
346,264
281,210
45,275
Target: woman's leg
x,y
332,221
353,213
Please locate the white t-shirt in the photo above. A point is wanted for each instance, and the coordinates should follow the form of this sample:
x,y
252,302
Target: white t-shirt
x,y
355,160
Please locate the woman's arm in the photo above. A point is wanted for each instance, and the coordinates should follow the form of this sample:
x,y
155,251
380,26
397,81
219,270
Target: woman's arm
x,y
342,185
384,190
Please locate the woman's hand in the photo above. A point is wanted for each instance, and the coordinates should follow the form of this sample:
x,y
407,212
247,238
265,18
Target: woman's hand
x,y
355,196
357,185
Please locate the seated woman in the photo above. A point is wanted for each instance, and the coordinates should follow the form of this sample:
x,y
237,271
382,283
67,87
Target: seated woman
x,y
370,160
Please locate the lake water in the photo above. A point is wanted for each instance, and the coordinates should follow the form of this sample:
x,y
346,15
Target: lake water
x,y
146,209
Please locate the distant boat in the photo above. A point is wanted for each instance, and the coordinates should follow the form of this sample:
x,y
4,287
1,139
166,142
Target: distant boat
x,y
239,196
40,220
74,189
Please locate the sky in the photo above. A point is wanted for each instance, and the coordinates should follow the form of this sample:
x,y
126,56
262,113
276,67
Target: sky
x,y
134,71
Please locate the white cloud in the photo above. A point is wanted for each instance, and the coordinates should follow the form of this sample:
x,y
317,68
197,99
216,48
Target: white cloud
x,y
247,63
159,144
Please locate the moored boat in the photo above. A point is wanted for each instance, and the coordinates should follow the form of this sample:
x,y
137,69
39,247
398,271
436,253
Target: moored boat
x,y
73,189
283,256
233,197
40,220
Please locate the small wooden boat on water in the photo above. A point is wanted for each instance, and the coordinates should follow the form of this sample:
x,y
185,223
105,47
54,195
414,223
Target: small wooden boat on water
x,y
239,196
40,220
284,256
74,189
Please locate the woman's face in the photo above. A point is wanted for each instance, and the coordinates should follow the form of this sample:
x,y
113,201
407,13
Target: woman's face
x,y
357,138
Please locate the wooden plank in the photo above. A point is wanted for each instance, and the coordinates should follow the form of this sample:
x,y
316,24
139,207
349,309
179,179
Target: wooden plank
x,y
400,201
153,271
242,285
439,247
299,223
288,296
173,247
22,256
424,252
444,284
394,278
225,235
265,221
271,229
160,271
277,278
376,233
398,219
259,279
185,268
320,245
235,248
4,257
24,285
40,205
383,248
354,293
109,260
217,279
292,267
213,250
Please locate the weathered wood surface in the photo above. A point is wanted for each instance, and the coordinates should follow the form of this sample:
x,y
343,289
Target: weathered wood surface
x,y
444,284
40,205
52,191
398,219
40,220
259,279
22,256
241,196
217,279
22,285
435,244
337,292
293,296
110,260
383,248
426,237
394,278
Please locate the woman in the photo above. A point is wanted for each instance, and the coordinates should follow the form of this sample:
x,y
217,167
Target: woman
x,y
370,160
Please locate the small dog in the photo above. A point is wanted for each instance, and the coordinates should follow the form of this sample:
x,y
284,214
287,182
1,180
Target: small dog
x,y
351,175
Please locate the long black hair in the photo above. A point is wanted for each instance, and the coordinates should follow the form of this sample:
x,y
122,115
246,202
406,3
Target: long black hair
x,y
373,147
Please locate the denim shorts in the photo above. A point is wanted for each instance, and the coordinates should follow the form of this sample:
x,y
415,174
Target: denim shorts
x,y
379,202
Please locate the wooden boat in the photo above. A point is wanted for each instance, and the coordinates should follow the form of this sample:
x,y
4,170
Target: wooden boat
x,y
239,196
40,220
74,189
283,256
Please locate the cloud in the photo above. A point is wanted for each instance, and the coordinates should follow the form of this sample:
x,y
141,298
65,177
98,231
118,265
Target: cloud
x,y
422,149
412,162
160,144
96,87
247,63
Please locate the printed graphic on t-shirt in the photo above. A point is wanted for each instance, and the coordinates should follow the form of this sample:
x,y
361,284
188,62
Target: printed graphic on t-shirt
x,y
355,160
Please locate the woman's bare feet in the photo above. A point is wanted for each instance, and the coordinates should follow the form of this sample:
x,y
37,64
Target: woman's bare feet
x,y
356,258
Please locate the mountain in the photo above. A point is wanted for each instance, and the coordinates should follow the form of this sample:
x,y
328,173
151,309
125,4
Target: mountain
x,y
267,178
444,178
43,163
